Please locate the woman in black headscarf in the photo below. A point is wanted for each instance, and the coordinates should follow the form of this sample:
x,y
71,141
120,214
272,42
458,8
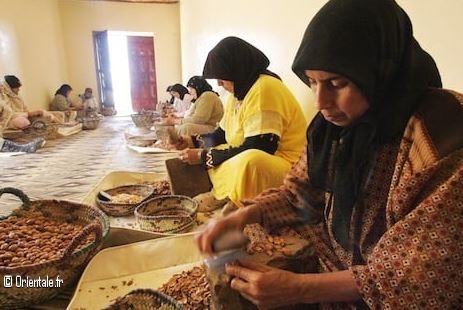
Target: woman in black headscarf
x,y
180,100
379,188
178,91
205,114
262,132
62,102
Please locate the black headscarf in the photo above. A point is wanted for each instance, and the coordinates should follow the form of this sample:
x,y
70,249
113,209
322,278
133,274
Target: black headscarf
x,y
12,81
199,84
179,88
63,90
371,43
234,59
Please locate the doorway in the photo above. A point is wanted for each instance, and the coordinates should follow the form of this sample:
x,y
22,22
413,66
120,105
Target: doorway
x,y
126,70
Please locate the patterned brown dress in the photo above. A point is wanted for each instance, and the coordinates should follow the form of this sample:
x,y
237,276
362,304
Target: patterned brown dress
x,y
407,226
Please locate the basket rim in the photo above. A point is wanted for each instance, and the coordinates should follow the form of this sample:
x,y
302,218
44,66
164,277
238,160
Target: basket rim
x,y
188,214
88,247
191,212
157,295
109,203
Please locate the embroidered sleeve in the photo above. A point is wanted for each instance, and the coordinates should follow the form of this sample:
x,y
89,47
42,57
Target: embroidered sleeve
x,y
210,139
266,142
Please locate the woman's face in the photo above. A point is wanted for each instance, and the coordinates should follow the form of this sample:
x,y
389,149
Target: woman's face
x,y
193,92
227,85
336,97
15,90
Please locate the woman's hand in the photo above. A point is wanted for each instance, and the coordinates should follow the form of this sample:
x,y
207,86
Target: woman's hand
x,y
181,143
191,156
178,142
265,286
269,287
234,221
170,120
215,228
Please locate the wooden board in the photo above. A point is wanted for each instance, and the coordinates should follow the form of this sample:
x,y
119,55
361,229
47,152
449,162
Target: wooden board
x,y
185,179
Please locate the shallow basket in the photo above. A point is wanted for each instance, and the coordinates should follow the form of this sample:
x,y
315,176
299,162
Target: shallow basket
x,y
90,123
69,266
144,298
124,209
167,214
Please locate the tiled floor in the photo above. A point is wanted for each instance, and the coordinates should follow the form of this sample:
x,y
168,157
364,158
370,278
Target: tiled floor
x,y
69,167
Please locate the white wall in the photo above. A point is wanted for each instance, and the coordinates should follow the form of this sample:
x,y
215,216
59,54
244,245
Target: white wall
x,y
31,47
49,42
438,28
276,27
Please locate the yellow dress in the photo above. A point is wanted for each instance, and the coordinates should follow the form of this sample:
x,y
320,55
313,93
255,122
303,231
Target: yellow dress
x,y
269,107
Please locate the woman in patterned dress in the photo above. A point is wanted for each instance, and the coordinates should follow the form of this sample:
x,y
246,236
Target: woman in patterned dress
x,y
379,190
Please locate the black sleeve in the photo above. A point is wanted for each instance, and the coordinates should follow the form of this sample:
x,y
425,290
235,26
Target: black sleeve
x,y
265,142
210,139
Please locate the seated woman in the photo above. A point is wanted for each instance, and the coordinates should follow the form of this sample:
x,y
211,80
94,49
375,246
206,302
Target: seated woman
x,y
10,146
181,100
89,103
206,112
62,102
378,194
262,132
21,116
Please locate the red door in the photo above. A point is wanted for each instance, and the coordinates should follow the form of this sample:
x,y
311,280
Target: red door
x,y
142,73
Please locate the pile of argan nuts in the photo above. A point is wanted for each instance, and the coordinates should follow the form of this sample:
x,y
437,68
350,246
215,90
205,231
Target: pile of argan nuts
x,y
262,242
34,238
190,288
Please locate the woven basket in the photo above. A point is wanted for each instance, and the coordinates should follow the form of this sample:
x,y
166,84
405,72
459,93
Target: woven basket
x,y
142,119
169,214
123,209
90,123
42,128
147,299
69,266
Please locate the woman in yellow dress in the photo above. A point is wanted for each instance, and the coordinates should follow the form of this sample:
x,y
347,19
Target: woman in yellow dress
x,y
262,132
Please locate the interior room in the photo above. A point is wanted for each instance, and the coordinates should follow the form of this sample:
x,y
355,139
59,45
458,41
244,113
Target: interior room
x,y
49,43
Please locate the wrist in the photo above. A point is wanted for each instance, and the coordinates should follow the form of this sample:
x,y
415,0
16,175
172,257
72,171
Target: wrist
x,y
332,287
248,215
209,162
